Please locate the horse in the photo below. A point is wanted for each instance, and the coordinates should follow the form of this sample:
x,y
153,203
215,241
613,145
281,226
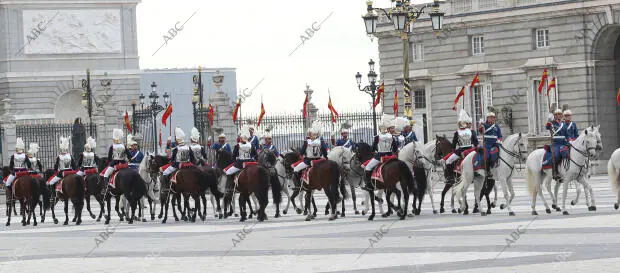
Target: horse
x,y
324,174
252,179
289,159
95,187
510,153
343,156
194,182
395,173
212,179
584,147
72,187
285,176
130,185
27,190
613,171
267,159
365,151
413,155
5,173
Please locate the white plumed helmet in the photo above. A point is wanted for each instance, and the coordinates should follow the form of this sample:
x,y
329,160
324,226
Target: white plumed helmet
x,y
64,144
464,117
90,143
33,148
179,135
387,121
244,132
19,144
316,128
130,140
400,123
195,135
117,135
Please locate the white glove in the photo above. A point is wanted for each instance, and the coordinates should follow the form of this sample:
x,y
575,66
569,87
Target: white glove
x,y
499,141
481,121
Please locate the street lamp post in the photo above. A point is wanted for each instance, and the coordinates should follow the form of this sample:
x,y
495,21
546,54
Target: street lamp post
x,y
155,109
197,100
87,100
370,89
403,15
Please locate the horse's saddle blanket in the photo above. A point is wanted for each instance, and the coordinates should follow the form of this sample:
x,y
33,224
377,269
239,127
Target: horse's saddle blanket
x,y
17,175
90,171
492,157
118,167
560,152
305,175
377,173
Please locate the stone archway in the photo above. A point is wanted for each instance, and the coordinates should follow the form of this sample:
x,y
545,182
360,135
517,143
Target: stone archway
x,y
69,106
606,53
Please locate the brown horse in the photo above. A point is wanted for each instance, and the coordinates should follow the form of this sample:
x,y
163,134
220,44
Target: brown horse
x,y
194,182
253,179
27,190
95,186
72,188
324,175
129,185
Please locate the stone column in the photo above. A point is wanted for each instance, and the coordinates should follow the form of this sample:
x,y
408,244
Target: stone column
x,y
312,110
223,115
9,133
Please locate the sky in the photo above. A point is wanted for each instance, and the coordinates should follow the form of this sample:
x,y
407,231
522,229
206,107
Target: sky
x,y
257,37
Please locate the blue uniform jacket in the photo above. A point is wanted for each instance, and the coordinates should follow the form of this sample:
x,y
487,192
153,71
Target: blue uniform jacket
x,y
270,147
254,140
409,136
571,129
347,143
135,159
491,133
559,132
225,147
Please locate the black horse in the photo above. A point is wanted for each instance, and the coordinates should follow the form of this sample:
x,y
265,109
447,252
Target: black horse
x,y
129,184
268,159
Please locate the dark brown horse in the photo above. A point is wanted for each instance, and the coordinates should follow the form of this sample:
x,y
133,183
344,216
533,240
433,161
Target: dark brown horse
x,y
324,175
130,185
289,159
268,159
72,188
224,159
27,190
253,179
393,172
95,186
194,182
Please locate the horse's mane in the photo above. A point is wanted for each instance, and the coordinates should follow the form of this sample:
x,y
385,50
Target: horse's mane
x,y
511,139
338,152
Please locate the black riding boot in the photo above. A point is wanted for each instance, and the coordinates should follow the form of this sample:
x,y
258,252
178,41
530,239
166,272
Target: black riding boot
x,y
367,179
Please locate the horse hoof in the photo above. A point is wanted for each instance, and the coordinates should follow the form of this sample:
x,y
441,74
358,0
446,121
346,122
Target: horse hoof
x,y
434,211
98,219
184,218
309,217
23,224
511,213
475,210
152,217
502,206
465,212
78,222
442,210
454,211
489,211
535,213
176,219
163,221
565,213
130,222
220,216
493,205
92,216
363,212
314,215
284,212
333,217
305,212
558,209
592,208
548,211
342,215
298,211
144,220
371,217
107,222
73,221
572,203
34,224
554,206
236,215
616,206
65,223
385,215
357,212
326,212
417,212
402,217
8,224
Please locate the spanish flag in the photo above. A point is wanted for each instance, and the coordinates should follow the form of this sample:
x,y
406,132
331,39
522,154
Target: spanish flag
x,y
306,106
236,110
332,110
127,123
166,115
551,85
379,95
475,81
458,97
262,113
210,114
543,80
618,97
395,102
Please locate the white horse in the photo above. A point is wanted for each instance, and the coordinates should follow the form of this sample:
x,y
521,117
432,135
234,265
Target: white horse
x,y
510,153
581,150
415,153
286,180
343,156
613,171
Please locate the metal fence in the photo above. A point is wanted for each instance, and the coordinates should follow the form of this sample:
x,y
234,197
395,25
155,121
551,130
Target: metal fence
x,y
47,135
289,130
143,125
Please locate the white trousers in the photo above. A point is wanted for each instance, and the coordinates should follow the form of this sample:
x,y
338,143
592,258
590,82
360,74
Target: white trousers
x,y
452,158
108,171
371,165
300,167
169,170
54,180
10,180
232,170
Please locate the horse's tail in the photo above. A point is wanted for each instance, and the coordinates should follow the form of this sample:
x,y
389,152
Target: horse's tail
x,y
614,175
44,190
276,188
533,166
421,181
407,178
334,184
79,188
212,182
262,192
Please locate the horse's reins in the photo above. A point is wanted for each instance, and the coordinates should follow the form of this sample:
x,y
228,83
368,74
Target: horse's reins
x,y
586,164
516,155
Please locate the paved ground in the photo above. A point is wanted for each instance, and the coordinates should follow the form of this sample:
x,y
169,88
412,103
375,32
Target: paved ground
x,y
583,241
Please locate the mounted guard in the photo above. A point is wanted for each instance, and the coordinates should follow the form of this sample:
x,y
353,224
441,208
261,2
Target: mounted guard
x,y
221,144
182,155
464,139
19,164
244,153
571,127
559,149
253,139
385,146
88,159
198,150
64,162
408,134
36,166
344,140
135,155
314,148
492,134
267,142
118,155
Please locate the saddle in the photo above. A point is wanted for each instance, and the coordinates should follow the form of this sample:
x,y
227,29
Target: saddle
x,y
492,158
118,167
90,171
563,153
377,173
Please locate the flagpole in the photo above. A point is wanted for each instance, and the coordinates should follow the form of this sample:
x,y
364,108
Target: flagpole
x,y
329,93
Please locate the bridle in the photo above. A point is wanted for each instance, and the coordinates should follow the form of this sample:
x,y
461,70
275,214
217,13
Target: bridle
x,y
586,154
518,155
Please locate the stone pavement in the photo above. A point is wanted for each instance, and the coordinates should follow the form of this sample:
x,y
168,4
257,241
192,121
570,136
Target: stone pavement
x,y
583,241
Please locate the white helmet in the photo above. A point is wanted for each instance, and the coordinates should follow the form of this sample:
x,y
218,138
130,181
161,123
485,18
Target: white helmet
x,y
464,117
568,112
387,121
400,123
222,135
64,145
557,111
244,132
316,128
20,145
194,135
117,135
251,127
179,135
33,148
490,114
90,144
130,140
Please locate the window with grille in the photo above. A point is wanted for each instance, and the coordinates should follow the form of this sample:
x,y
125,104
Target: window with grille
x,y
419,98
417,52
485,93
542,38
477,45
460,6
